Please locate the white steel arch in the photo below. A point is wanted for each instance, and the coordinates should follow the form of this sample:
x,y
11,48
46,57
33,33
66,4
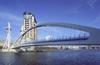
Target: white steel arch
x,y
94,37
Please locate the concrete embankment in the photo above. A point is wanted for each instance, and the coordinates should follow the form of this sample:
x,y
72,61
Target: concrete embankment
x,y
11,50
42,49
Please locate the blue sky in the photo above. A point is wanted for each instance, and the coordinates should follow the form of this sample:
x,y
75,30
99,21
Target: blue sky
x,y
82,12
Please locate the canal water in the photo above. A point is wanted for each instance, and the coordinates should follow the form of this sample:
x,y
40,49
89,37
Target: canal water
x,y
60,57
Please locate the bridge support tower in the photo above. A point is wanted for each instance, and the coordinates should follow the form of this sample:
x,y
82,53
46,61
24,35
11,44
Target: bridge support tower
x,y
7,44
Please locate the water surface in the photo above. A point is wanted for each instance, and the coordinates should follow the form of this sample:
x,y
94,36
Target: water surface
x,y
61,57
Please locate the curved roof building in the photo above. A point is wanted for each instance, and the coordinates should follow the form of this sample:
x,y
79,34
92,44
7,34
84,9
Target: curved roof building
x,y
28,22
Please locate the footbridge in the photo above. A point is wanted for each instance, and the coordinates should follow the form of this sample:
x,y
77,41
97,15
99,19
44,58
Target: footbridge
x,y
93,37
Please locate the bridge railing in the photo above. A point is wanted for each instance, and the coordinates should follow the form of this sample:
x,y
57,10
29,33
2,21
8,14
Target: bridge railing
x,y
59,40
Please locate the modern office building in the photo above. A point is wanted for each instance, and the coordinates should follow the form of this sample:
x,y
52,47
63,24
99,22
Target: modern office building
x,y
28,22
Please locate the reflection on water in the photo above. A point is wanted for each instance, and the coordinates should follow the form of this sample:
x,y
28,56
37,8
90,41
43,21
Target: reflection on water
x,y
61,57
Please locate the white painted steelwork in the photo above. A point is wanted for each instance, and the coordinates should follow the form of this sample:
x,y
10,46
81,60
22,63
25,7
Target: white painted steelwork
x,y
8,39
94,38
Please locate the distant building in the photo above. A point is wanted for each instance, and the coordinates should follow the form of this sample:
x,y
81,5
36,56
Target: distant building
x,y
47,37
2,42
62,47
28,22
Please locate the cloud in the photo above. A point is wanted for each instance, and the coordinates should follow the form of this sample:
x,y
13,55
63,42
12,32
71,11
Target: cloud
x,y
14,19
97,19
73,9
2,23
53,29
91,3
4,38
78,31
9,16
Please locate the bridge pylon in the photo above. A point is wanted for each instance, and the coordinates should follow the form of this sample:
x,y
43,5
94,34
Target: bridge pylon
x,y
7,44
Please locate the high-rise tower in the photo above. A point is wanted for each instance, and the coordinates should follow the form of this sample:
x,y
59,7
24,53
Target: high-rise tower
x,y
28,22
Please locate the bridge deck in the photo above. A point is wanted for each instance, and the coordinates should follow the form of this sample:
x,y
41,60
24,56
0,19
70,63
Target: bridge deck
x,y
57,40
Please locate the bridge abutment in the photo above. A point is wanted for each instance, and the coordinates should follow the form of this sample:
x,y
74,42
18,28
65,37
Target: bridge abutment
x,y
12,50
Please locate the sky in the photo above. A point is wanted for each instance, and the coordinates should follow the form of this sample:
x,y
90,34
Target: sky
x,y
81,12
